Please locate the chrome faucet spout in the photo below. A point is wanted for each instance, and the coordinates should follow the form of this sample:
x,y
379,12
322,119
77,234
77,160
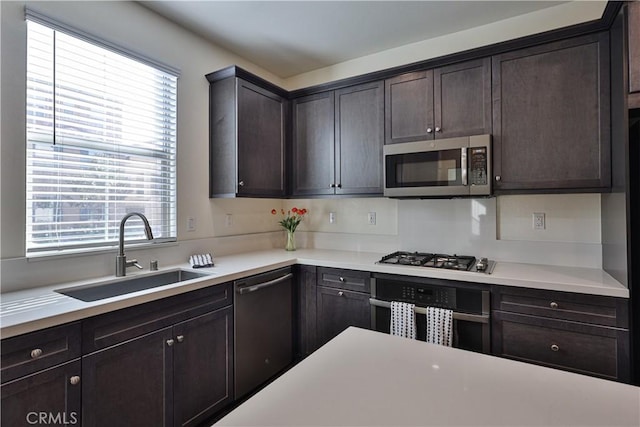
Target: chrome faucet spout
x,y
121,259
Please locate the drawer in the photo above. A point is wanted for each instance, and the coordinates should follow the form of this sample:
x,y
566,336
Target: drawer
x,y
115,327
352,280
587,349
32,352
598,310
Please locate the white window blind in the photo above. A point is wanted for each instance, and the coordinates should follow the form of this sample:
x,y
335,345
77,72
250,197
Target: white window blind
x,y
101,142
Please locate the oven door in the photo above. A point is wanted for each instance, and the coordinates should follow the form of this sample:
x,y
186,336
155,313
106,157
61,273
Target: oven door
x,y
438,168
470,331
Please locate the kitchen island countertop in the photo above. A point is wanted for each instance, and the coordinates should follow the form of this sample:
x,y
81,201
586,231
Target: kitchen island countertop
x,y
37,308
366,378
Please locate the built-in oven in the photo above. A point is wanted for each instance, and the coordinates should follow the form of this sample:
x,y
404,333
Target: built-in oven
x,y
470,305
452,167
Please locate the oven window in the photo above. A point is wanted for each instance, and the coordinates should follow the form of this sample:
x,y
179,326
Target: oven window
x,y
425,169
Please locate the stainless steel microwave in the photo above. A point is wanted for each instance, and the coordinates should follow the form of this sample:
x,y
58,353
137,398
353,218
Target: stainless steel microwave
x,y
452,167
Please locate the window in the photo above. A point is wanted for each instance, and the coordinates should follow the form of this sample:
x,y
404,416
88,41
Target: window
x,y
101,142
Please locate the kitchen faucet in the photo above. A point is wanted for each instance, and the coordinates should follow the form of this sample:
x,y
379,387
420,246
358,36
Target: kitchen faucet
x,y
121,259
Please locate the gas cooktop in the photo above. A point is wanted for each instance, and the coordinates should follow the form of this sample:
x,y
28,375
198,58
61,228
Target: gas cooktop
x,y
449,262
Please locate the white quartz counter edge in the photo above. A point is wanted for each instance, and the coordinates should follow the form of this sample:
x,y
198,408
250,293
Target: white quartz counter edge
x,y
366,378
38,308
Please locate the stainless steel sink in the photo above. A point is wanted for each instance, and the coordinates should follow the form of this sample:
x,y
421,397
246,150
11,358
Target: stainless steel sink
x,y
112,288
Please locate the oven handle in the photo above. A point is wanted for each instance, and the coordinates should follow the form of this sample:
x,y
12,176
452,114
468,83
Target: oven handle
x,y
477,318
463,165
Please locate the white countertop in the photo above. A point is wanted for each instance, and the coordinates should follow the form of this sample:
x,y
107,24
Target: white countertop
x,y
366,378
38,308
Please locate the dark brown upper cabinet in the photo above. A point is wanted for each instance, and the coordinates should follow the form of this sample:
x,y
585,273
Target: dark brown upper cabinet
x,y
337,142
247,139
444,102
633,31
551,121
313,145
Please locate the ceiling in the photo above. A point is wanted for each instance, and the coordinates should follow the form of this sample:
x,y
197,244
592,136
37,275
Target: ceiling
x,y
288,38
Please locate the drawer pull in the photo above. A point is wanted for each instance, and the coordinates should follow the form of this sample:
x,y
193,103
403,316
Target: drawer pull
x,y
342,279
553,304
170,342
180,338
74,380
35,353
554,347
340,293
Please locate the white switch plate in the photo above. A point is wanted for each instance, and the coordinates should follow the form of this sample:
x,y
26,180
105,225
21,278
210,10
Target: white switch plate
x,y
332,218
228,221
191,224
371,218
539,221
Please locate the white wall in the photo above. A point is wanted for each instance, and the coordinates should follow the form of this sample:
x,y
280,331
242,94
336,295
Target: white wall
x,y
140,30
400,224
563,15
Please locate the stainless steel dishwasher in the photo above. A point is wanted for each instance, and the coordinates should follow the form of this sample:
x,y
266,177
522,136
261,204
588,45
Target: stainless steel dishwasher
x,y
263,313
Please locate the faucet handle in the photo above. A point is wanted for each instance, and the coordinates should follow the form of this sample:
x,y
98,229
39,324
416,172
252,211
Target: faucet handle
x,y
134,263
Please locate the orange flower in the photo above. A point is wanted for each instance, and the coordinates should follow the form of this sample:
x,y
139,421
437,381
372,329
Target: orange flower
x,y
273,211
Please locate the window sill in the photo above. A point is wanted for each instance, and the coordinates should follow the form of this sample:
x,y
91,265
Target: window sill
x,y
74,253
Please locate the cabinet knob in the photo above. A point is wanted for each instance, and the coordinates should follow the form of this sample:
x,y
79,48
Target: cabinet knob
x,y
241,184
35,353
339,185
342,279
438,130
554,347
553,304
332,186
340,294
74,380
429,130
170,342
498,178
180,338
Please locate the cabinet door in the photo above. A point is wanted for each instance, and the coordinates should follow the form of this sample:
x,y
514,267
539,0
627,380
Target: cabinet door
x,y
409,108
338,309
203,366
49,397
359,127
261,141
305,326
462,99
313,145
551,124
130,384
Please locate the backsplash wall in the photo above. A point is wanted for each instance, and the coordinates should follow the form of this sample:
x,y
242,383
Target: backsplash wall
x,y
499,228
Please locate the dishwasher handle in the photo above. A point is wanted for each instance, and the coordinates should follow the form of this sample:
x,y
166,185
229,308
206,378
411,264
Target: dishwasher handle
x,y
254,288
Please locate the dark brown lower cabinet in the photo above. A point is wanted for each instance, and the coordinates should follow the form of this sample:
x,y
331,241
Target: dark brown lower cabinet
x,y
337,309
50,397
202,366
130,383
573,346
177,376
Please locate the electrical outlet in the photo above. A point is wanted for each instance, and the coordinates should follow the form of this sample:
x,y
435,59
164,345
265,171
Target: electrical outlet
x,y
228,221
371,218
191,224
332,218
538,221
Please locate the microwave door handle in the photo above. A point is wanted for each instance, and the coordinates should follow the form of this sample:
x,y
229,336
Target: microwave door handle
x,y
463,165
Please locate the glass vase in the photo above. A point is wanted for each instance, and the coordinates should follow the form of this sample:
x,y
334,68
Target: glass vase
x,y
291,242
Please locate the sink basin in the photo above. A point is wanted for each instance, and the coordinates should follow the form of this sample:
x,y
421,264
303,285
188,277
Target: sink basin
x,y
127,285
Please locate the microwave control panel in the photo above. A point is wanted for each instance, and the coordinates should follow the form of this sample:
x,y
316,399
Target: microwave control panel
x,y
478,166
